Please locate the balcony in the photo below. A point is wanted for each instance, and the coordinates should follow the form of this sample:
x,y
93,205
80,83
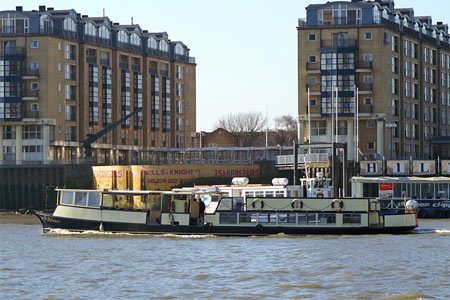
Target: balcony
x,y
12,51
339,43
104,42
70,34
91,59
312,68
365,88
30,74
104,61
136,67
27,114
184,58
70,136
364,66
91,39
70,76
123,65
30,94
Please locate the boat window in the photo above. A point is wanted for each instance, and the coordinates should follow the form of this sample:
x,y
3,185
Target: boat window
x,y
397,190
94,199
228,218
443,191
272,218
215,198
302,218
247,218
263,218
269,193
370,190
286,218
415,190
279,194
248,194
352,218
238,204
67,198
427,190
311,218
166,203
327,218
259,194
108,201
80,198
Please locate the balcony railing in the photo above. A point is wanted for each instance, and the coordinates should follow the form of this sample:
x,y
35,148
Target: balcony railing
x,y
364,65
365,86
123,65
153,70
338,43
13,51
71,76
91,59
164,72
70,136
31,93
136,67
70,34
33,73
27,114
104,61
105,42
91,39
312,66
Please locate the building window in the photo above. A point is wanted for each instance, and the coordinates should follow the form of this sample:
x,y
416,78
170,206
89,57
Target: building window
x,y
318,128
407,110
407,69
312,37
407,46
34,86
34,65
368,36
34,44
312,59
34,107
370,124
312,80
368,79
368,57
371,146
425,54
313,102
180,71
342,127
367,101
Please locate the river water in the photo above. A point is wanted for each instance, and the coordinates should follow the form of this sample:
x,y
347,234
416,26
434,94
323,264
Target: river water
x,y
34,265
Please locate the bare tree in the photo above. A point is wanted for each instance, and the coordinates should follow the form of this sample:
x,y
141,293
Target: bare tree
x,y
246,125
285,131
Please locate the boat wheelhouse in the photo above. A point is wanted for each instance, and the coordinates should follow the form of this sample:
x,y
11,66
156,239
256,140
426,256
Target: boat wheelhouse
x,y
431,193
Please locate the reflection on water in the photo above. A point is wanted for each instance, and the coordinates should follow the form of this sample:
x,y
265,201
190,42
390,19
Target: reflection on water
x,y
93,265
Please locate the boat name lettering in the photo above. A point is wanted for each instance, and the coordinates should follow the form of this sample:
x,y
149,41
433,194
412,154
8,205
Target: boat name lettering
x,y
52,220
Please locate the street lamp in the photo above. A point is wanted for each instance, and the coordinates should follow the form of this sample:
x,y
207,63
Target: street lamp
x,y
392,126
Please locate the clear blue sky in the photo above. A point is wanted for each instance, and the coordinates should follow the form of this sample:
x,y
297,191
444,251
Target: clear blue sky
x,y
246,50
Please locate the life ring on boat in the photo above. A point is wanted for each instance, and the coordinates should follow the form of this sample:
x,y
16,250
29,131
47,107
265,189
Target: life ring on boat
x,y
207,227
259,228
296,204
258,200
338,202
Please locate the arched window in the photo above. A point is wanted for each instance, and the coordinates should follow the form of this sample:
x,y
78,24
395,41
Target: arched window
x,y
123,36
424,29
397,19
434,34
104,32
46,24
135,39
152,43
14,23
405,22
70,25
179,49
163,46
90,29
416,26
385,14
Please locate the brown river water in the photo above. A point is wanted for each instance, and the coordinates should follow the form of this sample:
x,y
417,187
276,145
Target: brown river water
x,y
62,265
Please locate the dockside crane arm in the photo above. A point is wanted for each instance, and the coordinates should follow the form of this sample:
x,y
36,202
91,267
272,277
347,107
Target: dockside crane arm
x,y
91,138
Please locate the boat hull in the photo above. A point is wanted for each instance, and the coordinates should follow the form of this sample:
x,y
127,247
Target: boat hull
x,y
50,222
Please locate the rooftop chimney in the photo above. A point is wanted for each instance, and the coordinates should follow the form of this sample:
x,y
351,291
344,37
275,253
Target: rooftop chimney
x,y
19,8
85,16
41,7
50,9
115,24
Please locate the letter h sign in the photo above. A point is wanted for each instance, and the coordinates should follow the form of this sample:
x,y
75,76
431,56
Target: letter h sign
x,y
371,167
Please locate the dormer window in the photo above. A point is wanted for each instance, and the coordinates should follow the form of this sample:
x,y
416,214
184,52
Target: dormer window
x,y
405,22
14,23
135,39
123,37
163,46
104,32
434,34
339,14
179,49
385,14
70,25
424,29
416,26
152,43
376,15
90,29
46,24
397,19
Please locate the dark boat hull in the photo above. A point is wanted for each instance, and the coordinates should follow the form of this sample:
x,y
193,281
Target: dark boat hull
x,y
428,208
50,222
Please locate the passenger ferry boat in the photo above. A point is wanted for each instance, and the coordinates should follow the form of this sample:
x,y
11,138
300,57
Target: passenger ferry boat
x,y
431,193
243,210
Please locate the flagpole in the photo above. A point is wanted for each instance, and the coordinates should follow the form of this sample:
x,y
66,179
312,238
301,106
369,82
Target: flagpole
x,y
332,113
357,124
309,119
